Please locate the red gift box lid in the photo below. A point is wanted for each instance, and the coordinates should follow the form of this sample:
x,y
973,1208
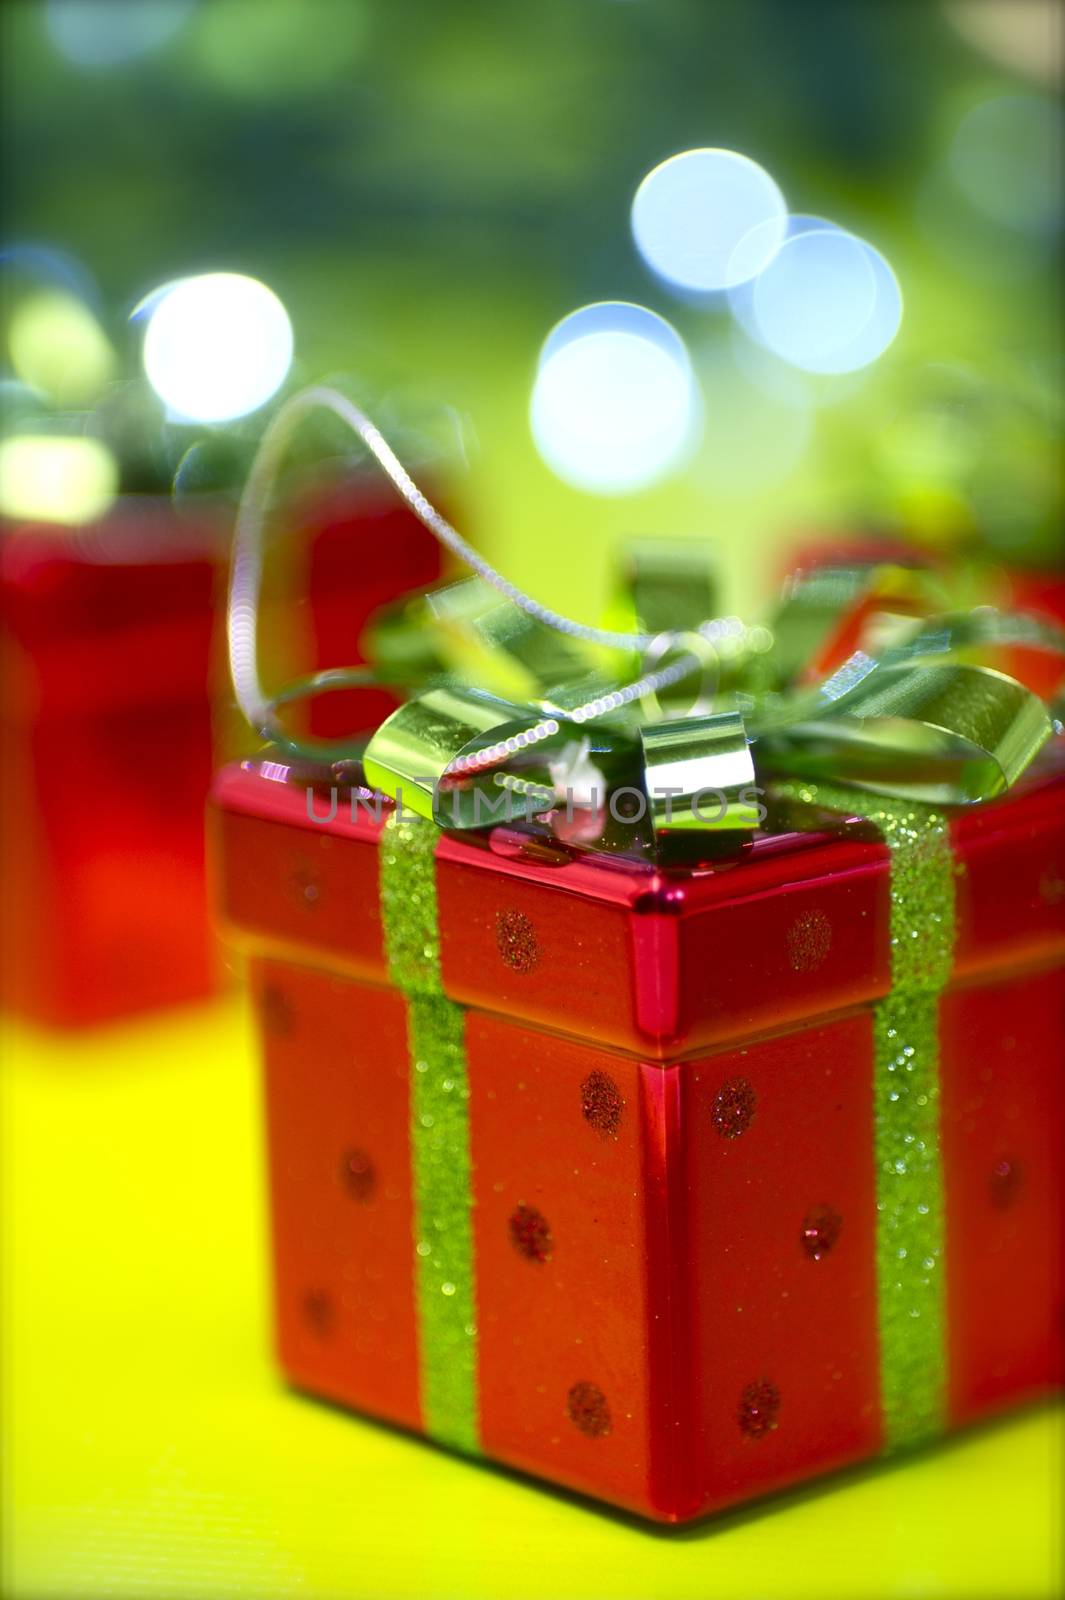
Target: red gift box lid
x,y
659,962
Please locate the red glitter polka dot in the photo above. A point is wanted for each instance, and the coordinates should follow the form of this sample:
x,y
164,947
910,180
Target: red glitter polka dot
x,y
809,940
516,940
758,1409
530,1234
1004,1183
733,1110
602,1103
319,1312
357,1175
587,1408
820,1230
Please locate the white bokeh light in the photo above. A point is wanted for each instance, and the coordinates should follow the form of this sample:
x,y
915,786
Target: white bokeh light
x,y
614,405
217,346
827,302
706,220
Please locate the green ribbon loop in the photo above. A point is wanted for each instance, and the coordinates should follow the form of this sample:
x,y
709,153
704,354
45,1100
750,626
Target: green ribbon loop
x,y
699,774
671,584
811,609
945,734
537,652
438,753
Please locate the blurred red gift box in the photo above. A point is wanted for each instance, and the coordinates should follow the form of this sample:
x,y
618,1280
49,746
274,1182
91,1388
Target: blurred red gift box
x,y
893,571
107,756
108,636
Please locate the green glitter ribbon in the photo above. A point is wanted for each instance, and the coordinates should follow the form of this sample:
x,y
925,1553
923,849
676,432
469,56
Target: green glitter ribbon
x,y
910,1209
909,1172
440,1138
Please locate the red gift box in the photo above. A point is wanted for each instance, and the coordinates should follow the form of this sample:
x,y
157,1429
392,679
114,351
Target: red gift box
x,y
107,634
600,1171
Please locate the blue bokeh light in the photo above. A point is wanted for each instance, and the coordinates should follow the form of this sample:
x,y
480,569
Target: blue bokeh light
x,y
827,302
706,220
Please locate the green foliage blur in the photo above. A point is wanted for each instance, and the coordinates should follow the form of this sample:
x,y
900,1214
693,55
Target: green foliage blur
x,y
429,185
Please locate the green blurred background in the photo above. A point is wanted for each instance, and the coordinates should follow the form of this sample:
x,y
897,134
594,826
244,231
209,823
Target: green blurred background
x,y
430,186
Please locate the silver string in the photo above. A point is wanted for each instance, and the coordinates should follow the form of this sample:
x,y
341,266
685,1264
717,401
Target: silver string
x,y
246,571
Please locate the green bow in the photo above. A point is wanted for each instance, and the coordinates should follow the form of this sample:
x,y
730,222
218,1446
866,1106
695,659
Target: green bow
x,y
919,720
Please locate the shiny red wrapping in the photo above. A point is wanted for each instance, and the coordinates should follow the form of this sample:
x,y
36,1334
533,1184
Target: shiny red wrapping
x,y
671,1090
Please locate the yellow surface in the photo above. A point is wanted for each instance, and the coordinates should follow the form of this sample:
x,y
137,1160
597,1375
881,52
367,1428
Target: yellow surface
x,y
150,1449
